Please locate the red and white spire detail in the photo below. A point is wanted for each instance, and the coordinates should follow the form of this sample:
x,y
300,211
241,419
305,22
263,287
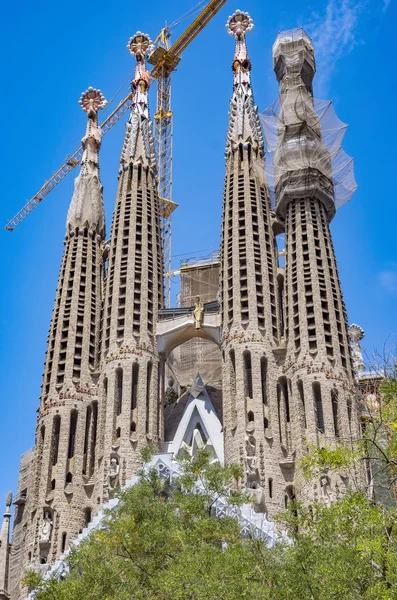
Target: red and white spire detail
x,y
139,46
244,126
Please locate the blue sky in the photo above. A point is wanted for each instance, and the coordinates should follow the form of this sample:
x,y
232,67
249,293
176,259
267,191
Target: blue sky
x,y
53,53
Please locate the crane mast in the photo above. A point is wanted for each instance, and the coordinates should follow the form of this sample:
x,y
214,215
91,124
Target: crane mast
x,y
165,60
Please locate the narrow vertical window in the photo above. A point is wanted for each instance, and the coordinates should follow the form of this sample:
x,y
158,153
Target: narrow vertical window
x,y
349,413
248,374
318,403
55,440
233,387
93,436
148,393
279,412
335,411
270,481
86,437
63,545
72,434
134,385
264,379
118,392
302,402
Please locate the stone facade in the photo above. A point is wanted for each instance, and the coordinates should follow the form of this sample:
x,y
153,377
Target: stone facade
x,y
287,374
249,302
133,296
316,388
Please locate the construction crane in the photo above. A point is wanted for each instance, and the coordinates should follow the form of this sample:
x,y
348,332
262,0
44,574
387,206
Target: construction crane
x,y
164,59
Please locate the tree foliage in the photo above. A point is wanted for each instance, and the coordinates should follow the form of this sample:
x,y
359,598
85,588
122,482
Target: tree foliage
x,y
162,541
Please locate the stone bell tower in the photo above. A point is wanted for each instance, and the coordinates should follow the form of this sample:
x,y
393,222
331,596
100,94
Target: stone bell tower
x,y
133,295
248,284
59,500
318,375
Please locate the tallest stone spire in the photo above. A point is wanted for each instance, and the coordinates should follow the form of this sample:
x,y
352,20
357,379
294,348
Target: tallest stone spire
x,y
134,293
248,282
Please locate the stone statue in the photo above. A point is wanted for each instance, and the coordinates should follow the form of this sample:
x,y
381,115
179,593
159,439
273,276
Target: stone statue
x,y
356,334
114,470
327,495
251,466
198,312
45,528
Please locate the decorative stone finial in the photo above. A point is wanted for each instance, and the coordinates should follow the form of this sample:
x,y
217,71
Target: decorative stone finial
x,y
356,333
86,207
238,24
9,499
140,46
138,143
92,100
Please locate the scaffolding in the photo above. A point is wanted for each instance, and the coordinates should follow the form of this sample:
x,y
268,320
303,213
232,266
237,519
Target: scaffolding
x,y
316,143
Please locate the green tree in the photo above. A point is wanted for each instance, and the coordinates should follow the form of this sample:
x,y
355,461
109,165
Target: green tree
x,y
162,541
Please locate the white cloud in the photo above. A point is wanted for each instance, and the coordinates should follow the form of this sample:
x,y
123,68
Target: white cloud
x,y
334,35
388,279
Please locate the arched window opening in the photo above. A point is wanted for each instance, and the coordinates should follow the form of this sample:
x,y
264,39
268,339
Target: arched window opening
x,y
148,393
72,433
63,544
318,403
69,477
53,483
335,411
265,422
250,416
133,427
87,516
264,379
301,393
118,432
289,495
285,396
55,439
270,482
118,392
248,374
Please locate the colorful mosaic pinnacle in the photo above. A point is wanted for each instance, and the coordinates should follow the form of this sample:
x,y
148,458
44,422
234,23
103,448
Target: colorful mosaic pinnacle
x,y
140,45
92,99
239,23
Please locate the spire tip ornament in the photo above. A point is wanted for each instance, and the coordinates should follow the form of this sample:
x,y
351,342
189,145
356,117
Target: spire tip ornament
x,y
92,99
140,46
239,23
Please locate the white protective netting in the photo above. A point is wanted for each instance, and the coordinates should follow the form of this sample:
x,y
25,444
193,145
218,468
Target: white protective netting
x,y
304,149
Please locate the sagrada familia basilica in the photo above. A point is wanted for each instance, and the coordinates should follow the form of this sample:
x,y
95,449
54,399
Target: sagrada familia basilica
x,y
277,320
